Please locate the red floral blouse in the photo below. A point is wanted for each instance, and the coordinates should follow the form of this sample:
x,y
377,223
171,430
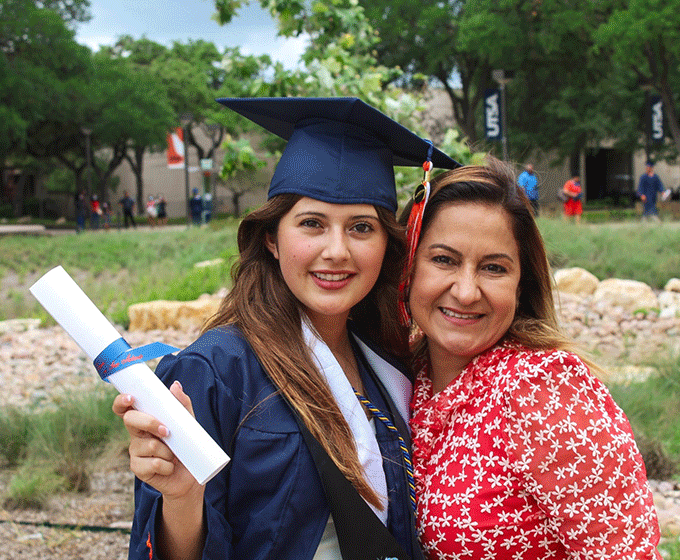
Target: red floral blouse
x,y
525,455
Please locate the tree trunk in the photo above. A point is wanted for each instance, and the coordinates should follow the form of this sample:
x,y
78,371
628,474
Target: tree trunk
x,y
235,201
137,166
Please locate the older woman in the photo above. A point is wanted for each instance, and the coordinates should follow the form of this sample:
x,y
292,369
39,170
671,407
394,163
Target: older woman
x,y
518,450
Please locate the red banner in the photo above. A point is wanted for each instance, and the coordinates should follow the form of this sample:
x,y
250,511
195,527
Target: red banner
x,y
176,149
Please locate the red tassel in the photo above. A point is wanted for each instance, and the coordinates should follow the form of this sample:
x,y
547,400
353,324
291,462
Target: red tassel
x,y
415,222
148,544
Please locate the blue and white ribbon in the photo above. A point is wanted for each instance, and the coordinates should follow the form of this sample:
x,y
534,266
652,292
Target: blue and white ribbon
x,y
119,355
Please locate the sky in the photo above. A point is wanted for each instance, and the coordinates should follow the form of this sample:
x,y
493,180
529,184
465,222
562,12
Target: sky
x,y
253,31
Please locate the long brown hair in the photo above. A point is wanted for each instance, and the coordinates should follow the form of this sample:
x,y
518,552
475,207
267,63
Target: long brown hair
x,y
535,324
262,306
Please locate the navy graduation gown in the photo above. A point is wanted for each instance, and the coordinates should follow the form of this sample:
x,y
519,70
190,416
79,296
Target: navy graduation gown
x,y
268,502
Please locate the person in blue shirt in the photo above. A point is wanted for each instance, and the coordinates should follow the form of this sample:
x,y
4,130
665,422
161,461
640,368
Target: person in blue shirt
x,y
648,188
196,207
297,346
529,182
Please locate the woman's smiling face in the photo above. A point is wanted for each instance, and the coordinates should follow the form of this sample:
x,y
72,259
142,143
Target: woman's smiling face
x,y
330,255
464,289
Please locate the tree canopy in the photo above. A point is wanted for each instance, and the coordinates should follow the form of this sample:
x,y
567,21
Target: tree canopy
x,y
580,70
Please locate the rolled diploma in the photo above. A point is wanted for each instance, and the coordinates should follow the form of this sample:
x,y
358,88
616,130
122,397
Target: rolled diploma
x,y
74,311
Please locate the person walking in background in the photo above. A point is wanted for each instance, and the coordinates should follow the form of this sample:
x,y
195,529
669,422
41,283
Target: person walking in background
x,y
572,204
161,204
106,215
519,451
648,188
529,182
196,208
208,207
290,375
95,211
80,203
128,205
151,211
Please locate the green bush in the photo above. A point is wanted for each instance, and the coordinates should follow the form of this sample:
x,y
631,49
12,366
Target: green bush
x,y
14,435
652,409
69,436
6,211
31,486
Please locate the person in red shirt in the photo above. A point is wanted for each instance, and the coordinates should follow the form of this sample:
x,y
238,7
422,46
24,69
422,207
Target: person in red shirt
x,y
95,211
572,203
519,451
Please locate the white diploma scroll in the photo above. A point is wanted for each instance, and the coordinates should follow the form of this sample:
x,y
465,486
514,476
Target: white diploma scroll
x,y
74,311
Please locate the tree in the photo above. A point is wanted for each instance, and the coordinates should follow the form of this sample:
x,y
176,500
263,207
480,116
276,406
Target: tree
x,y
193,75
340,59
563,94
239,163
428,42
70,11
643,38
554,103
42,69
133,114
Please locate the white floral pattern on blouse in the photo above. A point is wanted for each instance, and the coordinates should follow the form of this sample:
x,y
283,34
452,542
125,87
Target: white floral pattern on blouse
x,y
525,455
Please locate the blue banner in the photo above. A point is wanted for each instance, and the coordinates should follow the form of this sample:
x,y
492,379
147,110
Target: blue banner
x,y
492,114
656,119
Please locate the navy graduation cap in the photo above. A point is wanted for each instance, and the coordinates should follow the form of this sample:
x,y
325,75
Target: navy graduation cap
x,y
340,150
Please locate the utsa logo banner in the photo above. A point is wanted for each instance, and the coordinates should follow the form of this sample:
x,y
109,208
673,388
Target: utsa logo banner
x,y
492,114
656,116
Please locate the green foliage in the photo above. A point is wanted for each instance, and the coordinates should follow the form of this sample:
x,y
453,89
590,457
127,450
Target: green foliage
x,y
453,145
14,435
31,486
69,436
552,102
43,71
239,158
652,407
642,37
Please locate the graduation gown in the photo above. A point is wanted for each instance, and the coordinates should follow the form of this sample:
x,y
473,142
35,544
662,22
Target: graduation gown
x,y
268,502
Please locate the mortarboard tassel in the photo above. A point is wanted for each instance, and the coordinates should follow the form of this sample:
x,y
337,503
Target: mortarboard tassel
x,y
415,222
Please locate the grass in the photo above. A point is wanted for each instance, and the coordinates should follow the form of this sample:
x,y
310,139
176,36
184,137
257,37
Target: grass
x,y
652,408
670,549
628,250
118,268
53,449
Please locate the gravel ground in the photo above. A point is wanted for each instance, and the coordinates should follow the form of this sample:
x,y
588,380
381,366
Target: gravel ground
x,y
38,369
109,504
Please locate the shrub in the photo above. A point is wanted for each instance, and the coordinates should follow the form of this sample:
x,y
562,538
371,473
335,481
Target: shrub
x,y
69,436
14,435
30,487
652,409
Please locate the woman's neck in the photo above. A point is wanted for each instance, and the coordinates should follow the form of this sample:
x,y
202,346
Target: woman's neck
x,y
333,331
444,368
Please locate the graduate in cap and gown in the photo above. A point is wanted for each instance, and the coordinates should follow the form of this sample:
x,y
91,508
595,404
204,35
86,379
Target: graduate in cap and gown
x,y
297,376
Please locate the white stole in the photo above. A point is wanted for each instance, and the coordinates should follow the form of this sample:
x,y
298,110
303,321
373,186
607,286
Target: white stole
x,y
364,436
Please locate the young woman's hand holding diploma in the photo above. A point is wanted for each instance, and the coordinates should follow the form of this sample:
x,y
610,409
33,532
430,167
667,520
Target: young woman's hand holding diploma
x,y
152,461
